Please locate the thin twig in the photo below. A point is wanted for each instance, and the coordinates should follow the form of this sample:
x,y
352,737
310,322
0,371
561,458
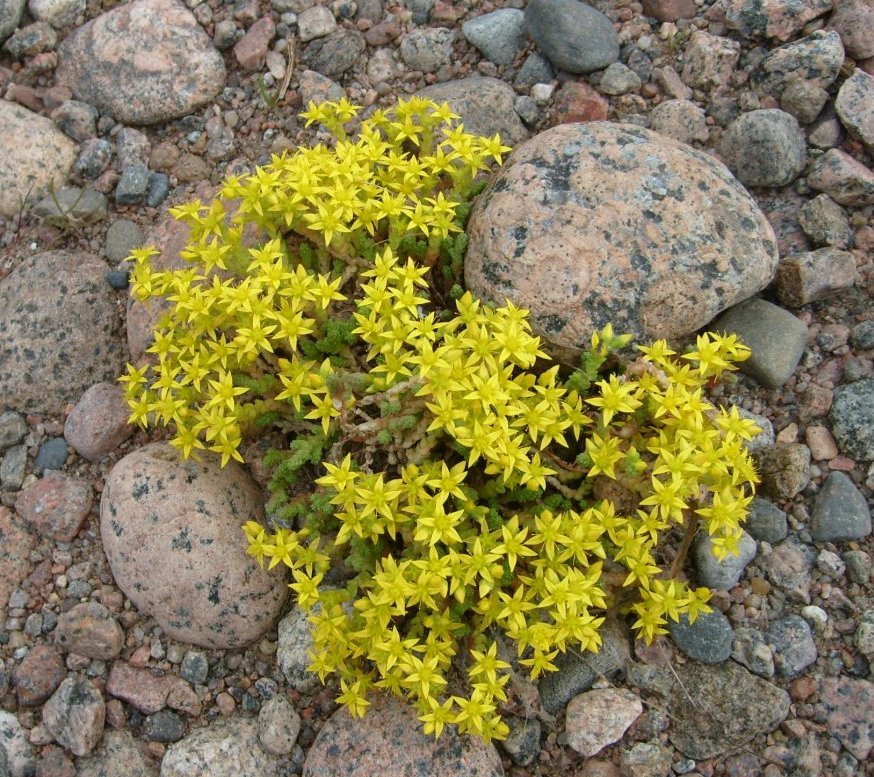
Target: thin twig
x,y
691,528
290,47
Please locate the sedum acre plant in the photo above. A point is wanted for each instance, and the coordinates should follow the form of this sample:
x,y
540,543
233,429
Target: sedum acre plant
x,y
445,482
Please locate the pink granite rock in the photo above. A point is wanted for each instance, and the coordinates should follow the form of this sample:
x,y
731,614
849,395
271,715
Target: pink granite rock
x,y
576,101
389,742
171,532
710,61
15,546
849,703
56,505
669,10
139,687
142,62
89,629
38,675
98,424
589,224
853,20
252,48
59,331
599,718
777,19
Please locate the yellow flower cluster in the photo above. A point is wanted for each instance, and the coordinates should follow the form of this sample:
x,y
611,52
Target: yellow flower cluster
x,y
242,311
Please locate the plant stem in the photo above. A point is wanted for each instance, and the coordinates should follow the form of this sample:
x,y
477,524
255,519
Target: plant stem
x,y
691,528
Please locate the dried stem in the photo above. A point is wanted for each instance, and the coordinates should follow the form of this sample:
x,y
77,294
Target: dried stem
x,y
690,528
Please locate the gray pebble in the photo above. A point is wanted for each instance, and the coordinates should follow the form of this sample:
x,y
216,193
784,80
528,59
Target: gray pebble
x,y
13,467
159,188
852,419
132,147
336,53
651,678
792,642
72,206
825,223
767,522
765,437
765,148
573,36
527,109
122,237
535,70
194,667
523,742
775,337
427,49
499,35
862,337
52,454
278,725
784,469
708,639
77,120
750,648
164,726
618,79
94,157
840,512
859,566
32,39
420,10
804,101
226,34
118,279
721,574
133,185
855,106
12,428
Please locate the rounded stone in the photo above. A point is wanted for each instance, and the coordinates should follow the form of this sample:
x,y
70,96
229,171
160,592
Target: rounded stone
x,y
854,22
389,741
142,62
171,533
765,148
572,35
59,332
98,424
589,224
708,639
499,35
852,419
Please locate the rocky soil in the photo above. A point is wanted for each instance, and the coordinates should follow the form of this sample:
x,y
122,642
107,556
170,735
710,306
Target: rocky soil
x,y
137,639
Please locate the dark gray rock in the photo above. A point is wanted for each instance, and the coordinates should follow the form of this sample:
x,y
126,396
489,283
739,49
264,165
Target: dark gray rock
x,y
52,454
486,106
708,639
765,148
775,337
767,522
94,157
133,186
792,642
852,419
840,512
573,36
164,726
499,35
60,333
334,54
578,671
159,188
195,667
535,70
738,706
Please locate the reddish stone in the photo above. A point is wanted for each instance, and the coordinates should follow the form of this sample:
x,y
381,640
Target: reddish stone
x,y
38,675
842,464
56,506
139,687
98,424
90,630
26,96
669,10
55,763
251,49
54,96
576,101
15,546
382,33
849,704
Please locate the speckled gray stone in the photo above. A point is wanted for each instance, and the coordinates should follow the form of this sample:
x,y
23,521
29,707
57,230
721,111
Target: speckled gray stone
x,y
708,639
816,59
13,427
776,20
784,469
427,48
596,223
334,54
852,419
840,512
72,207
10,15
499,35
133,186
142,62
825,223
749,648
793,645
775,337
764,148
60,331
171,533
118,755
767,522
855,106
573,36
122,237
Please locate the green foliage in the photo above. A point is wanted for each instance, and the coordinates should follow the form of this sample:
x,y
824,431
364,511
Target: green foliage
x,y
441,465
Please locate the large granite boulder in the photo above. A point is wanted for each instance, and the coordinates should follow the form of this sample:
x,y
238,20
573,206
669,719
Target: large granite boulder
x,y
589,224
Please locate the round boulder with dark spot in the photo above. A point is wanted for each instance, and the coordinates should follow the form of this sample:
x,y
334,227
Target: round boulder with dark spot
x,y
142,62
60,331
589,224
171,532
